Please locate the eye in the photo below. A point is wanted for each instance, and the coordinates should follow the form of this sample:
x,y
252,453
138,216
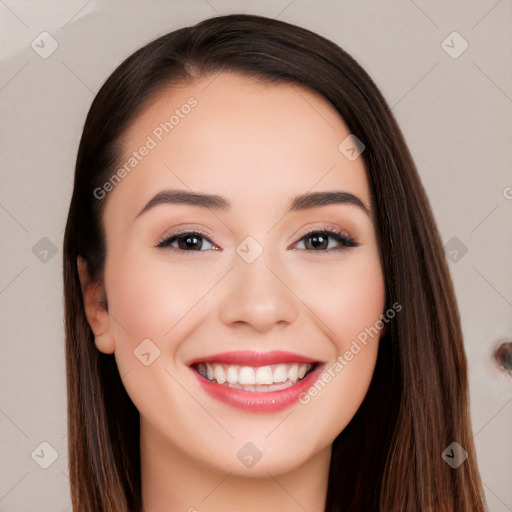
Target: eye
x,y
318,241
327,240
187,241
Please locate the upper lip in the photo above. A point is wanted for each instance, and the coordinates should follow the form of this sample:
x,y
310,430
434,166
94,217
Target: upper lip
x,y
253,358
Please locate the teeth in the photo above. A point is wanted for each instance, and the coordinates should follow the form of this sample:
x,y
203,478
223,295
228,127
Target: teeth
x,y
218,373
280,373
232,375
262,378
246,376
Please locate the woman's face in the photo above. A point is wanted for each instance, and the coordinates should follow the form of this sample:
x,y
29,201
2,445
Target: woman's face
x,y
253,285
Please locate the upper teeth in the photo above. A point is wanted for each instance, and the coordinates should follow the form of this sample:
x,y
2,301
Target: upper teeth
x,y
272,374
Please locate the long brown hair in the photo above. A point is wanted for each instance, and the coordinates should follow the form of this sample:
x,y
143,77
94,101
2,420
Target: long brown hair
x,y
389,456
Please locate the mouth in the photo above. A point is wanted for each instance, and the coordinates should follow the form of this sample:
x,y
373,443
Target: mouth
x,y
261,379
256,382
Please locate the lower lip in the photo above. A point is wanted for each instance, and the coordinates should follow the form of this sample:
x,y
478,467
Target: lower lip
x,y
259,402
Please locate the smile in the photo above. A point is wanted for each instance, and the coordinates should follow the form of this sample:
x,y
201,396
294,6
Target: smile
x,y
256,382
260,379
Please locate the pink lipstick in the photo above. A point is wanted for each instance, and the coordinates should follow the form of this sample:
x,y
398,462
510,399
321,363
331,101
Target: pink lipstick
x,y
256,381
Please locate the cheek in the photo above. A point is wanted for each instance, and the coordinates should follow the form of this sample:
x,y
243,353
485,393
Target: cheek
x,y
352,302
348,297
149,296
340,391
351,306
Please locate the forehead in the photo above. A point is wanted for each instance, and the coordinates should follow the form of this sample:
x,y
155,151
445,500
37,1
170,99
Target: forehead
x,y
236,136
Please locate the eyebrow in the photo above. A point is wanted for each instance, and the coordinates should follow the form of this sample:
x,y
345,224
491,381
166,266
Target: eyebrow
x,y
216,202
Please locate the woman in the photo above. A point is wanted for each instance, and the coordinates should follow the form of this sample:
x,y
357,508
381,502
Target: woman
x,y
259,315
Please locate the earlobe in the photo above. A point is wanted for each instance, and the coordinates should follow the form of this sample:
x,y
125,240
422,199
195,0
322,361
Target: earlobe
x,y
95,312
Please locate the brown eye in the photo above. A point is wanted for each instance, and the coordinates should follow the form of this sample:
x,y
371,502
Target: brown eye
x,y
190,241
320,241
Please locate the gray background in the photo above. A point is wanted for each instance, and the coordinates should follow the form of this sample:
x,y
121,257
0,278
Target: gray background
x,y
456,117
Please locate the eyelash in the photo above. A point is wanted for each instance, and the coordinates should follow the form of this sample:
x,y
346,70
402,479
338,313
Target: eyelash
x,y
340,236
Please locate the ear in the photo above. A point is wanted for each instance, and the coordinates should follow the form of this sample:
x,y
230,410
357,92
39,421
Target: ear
x,y
95,311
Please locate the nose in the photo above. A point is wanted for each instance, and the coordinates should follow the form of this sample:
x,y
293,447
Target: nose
x,y
258,295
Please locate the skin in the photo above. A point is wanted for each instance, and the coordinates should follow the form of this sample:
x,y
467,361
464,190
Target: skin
x,y
257,145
